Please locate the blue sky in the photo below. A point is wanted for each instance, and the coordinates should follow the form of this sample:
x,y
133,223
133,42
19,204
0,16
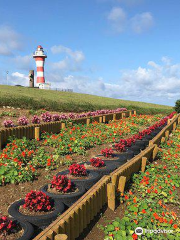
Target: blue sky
x,y
126,49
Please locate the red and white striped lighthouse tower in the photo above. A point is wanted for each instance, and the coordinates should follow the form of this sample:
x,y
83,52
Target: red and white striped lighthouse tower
x,y
40,56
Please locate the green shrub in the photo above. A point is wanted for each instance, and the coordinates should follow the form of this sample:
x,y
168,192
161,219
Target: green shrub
x,y
177,106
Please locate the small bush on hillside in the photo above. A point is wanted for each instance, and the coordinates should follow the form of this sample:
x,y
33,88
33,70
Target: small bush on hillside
x,y
22,121
177,106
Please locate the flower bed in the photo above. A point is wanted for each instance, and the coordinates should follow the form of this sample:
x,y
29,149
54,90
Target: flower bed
x,y
152,200
79,138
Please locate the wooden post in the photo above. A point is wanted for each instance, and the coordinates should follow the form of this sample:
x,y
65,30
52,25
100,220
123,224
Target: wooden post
x,y
130,113
167,134
122,183
143,164
37,133
111,196
61,237
114,179
50,235
100,119
63,125
155,151
88,121
0,141
174,126
123,115
104,119
114,117
134,112
61,226
162,139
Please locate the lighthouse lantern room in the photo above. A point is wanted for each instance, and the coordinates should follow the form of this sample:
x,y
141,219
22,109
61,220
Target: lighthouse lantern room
x,y
39,57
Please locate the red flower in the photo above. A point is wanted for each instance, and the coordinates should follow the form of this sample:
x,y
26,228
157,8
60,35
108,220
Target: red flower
x,y
77,170
37,201
97,162
62,184
135,236
171,221
143,211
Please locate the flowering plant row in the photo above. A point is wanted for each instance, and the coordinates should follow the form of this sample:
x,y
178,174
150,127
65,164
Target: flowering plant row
x,y
48,117
152,199
79,138
123,143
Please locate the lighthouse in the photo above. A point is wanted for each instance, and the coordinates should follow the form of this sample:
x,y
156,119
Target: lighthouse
x,y
39,57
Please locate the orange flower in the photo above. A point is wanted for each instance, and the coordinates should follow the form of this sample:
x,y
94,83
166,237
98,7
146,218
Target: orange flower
x,y
175,226
136,222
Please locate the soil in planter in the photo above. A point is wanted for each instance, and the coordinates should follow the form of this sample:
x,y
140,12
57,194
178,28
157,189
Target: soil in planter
x,y
18,232
28,212
111,158
90,167
54,191
77,178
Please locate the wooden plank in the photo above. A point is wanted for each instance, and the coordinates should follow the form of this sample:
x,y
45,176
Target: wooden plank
x,y
143,164
122,183
37,133
61,237
111,196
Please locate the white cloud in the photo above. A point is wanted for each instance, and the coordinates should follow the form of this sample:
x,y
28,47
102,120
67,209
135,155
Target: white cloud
x,y
120,21
24,62
10,41
142,22
71,62
15,78
158,83
117,18
77,56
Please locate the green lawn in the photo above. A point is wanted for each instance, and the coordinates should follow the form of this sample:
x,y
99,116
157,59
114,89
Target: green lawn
x,y
31,98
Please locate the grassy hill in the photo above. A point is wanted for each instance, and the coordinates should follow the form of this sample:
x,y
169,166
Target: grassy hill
x,y
31,98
